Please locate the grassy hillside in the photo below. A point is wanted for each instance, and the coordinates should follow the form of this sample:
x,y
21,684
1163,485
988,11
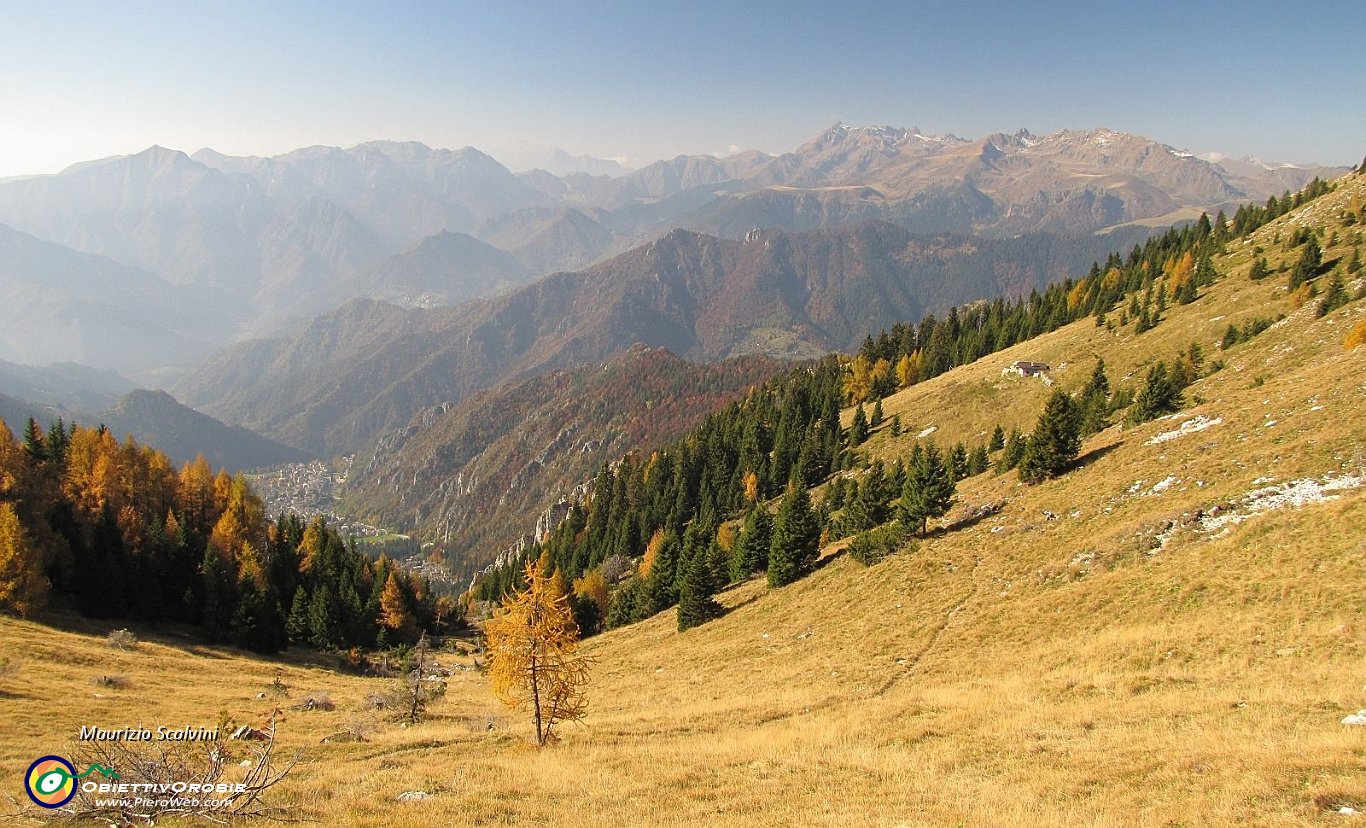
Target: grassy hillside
x,y
1108,649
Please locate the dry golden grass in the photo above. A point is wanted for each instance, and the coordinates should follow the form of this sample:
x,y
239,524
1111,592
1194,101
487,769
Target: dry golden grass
x,y
1019,671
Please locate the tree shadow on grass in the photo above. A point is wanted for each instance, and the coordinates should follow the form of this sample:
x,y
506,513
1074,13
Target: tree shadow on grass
x,y
822,563
982,512
728,610
1092,456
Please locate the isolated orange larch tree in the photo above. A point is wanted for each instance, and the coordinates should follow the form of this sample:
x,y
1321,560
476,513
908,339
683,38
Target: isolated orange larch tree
x,y
534,662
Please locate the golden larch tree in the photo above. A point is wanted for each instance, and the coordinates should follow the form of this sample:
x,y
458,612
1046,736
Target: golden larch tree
x,y
751,484
652,550
23,586
593,586
533,654
394,612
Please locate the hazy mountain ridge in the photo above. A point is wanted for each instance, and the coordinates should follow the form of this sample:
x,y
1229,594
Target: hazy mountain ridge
x,y
443,269
157,419
61,305
369,367
153,418
273,241
1071,181
67,384
524,156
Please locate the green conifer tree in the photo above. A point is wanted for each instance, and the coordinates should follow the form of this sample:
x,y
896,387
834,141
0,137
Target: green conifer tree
x,y
858,429
869,507
958,462
796,538
34,447
296,625
1014,451
1335,296
1055,441
1205,274
1307,266
978,461
324,624
928,492
1186,293
1095,400
750,554
1160,395
661,586
220,599
695,602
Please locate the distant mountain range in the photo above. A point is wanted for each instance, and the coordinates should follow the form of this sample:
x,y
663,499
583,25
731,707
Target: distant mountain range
x,y
77,394
1068,182
369,367
146,263
524,156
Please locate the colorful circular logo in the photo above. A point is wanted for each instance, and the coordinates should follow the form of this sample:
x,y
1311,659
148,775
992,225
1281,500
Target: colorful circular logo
x,y
50,781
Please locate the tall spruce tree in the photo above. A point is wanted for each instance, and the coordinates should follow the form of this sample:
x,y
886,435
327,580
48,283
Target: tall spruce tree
x,y
928,492
958,462
1334,297
1013,453
796,538
858,429
750,554
1160,395
1055,441
978,461
1095,400
695,602
34,442
869,507
1307,266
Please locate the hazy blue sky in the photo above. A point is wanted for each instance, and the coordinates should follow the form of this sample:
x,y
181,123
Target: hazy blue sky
x,y
644,80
